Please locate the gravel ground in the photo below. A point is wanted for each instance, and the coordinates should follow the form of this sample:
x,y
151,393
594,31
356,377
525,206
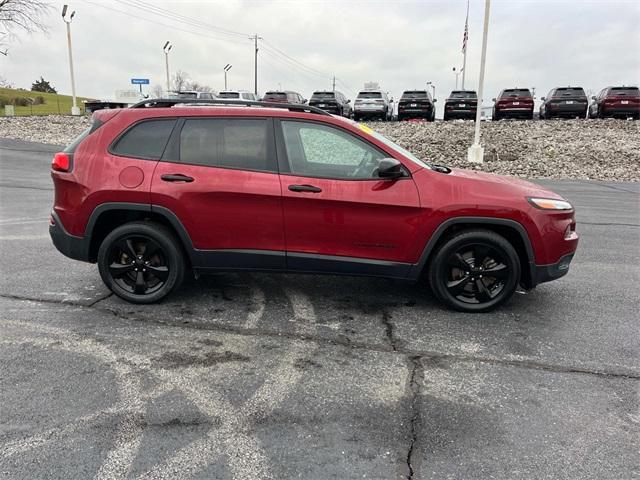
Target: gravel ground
x,y
571,149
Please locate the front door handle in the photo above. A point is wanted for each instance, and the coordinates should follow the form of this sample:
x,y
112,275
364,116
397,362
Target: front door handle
x,y
176,177
304,188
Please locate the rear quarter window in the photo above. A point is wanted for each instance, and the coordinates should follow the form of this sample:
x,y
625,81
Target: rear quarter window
x,y
146,139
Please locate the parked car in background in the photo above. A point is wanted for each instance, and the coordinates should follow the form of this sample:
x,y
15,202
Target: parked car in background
x,y
416,104
238,94
513,103
373,104
616,102
151,193
569,102
284,96
461,104
333,102
192,94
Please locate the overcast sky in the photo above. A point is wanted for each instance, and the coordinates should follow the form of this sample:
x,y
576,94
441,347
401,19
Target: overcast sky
x,y
400,44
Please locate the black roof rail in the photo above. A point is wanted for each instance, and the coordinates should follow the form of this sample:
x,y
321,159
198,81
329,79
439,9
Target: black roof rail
x,y
170,102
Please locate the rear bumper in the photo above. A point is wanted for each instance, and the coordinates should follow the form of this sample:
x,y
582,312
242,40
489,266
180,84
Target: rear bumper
x,y
515,112
566,110
626,110
67,244
547,273
460,113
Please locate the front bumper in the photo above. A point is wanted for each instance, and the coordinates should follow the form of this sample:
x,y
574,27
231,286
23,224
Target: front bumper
x,y
67,244
547,273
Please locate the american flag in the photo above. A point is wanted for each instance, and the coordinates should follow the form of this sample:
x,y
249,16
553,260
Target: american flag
x,y
465,37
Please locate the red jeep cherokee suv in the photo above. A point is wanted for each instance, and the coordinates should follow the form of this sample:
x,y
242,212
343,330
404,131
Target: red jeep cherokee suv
x,y
149,192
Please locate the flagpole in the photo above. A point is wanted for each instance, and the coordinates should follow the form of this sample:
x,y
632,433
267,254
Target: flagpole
x,y
464,50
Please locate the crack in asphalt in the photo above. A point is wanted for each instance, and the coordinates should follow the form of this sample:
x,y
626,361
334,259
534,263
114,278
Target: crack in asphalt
x,y
610,224
4,185
416,371
388,330
346,342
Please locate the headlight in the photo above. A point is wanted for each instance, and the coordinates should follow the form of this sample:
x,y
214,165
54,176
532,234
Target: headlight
x,y
549,204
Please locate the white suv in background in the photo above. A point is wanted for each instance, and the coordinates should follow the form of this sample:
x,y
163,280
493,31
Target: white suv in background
x,y
238,94
373,104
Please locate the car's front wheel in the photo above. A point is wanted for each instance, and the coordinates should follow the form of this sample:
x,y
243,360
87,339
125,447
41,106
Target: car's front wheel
x,y
141,262
475,271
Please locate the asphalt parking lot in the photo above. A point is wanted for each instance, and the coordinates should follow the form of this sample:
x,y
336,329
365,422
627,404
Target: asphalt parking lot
x,y
251,376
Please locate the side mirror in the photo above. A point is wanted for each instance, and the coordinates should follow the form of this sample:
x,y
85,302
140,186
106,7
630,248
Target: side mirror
x,y
390,168
304,100
493,99
435,100
593,97
543,98
348,101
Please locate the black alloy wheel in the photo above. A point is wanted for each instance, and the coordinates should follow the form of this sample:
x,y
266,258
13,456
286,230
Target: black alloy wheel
x,y
475,271
141,262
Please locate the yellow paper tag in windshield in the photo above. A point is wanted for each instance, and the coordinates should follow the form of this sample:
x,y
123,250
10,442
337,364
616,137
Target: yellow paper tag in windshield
x,y
365,129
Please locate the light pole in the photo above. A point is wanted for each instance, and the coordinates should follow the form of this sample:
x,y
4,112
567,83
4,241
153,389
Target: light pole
x,y
457,73
434,89
74,109
475,153
227,67
166,48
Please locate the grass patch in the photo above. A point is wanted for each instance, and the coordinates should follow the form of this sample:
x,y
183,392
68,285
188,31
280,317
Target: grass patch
x,y
38,103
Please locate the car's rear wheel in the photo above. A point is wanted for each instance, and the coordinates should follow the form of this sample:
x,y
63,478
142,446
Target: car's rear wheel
x,y
475,271
141,262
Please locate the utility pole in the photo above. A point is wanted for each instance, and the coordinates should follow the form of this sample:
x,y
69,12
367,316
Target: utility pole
x,y
334,83
475,153
255,39
166,48
464,49
74,109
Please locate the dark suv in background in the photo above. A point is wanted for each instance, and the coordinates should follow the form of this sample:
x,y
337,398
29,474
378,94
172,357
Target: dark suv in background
x,y
567,102
616,102
461,104
331,101
513,103
285,96
416,104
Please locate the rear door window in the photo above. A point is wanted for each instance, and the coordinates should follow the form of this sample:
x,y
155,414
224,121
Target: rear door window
x,y
146,139
229,143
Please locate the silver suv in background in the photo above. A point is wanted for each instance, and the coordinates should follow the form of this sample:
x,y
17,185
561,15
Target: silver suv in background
x,y
238,94
373,104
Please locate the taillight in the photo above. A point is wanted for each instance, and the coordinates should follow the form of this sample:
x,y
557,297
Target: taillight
x,y
61,162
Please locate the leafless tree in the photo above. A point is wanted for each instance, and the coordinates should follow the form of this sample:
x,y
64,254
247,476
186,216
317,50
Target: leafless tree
x,y
198,87
21,16
4,83
180,80
157,91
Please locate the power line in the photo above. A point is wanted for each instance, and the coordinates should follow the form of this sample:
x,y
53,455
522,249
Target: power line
x,y
155,22
180,18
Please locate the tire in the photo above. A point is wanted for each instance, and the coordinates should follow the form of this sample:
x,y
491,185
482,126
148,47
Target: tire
x,y
445,118
460,282
496,117
131,241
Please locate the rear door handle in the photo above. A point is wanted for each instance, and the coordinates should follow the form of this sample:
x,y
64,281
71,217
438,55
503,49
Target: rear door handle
x,y
304,188
176,177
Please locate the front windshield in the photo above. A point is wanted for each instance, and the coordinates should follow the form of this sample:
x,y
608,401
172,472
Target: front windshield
x,y
392,145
